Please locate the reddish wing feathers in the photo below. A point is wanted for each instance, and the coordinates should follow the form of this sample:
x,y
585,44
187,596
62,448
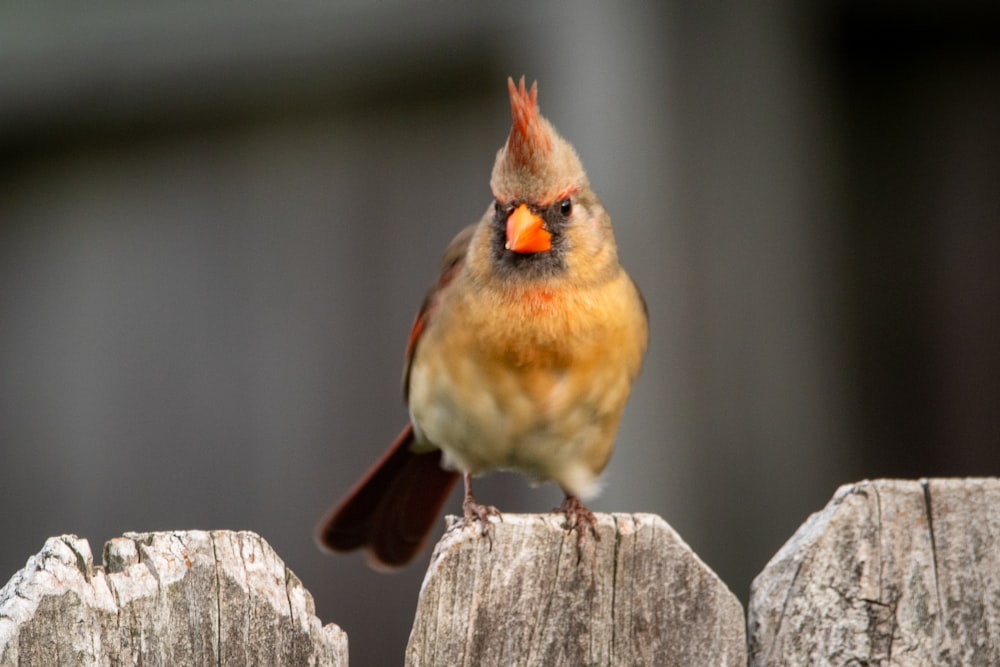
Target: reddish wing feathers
x,y
391,511
451,264
410,508
348,525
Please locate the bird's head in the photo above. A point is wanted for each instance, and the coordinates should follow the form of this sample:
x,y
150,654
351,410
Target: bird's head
x,y
544,208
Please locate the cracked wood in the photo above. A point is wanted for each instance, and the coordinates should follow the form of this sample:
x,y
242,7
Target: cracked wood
x,y
639,596
891,573
181,598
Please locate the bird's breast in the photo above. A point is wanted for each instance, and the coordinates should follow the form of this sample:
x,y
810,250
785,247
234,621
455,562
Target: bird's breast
x,y
531,379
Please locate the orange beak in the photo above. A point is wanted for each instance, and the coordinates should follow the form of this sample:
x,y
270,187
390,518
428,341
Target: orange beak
x,y
526,233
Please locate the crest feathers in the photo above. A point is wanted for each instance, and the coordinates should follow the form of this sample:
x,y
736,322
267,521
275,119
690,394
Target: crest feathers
x,y
535,163
529,138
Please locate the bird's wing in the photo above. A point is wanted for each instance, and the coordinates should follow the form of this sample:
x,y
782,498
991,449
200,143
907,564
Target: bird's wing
x,y
451,264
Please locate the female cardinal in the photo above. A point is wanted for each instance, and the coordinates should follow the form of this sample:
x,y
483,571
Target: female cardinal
x,y
521,357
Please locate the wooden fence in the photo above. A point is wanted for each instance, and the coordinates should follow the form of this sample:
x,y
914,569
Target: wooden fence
x,y
890,573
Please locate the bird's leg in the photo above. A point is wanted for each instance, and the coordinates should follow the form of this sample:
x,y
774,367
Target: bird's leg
x,y
580,518
472,510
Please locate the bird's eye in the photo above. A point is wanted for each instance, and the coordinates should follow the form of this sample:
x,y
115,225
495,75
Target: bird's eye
x,y
497,207
566,207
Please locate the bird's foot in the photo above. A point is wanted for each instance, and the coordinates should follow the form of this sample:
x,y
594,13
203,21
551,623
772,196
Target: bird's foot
x,y
471,510
581,519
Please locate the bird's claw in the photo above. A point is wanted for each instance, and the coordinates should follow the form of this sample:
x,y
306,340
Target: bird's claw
x,y
581,519
471,511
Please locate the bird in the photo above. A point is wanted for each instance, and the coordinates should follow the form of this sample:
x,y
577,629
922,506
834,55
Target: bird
x,y
521,357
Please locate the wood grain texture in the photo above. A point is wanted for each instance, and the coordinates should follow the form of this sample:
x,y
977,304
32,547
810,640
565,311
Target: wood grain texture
x,y
639,596
171,598
890,573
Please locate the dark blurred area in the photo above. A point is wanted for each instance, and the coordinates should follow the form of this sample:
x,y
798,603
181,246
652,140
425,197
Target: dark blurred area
x,y
217,222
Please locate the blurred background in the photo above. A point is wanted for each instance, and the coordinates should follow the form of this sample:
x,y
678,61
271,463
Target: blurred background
x,y
217,221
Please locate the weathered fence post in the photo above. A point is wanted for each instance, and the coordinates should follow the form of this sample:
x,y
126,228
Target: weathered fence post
x,y
171,599
889,573
639,596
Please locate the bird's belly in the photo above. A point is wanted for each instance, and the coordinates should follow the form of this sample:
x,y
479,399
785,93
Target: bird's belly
x,y
551,423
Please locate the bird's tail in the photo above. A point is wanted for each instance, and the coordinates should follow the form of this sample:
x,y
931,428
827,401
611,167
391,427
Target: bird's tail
x,y
391,511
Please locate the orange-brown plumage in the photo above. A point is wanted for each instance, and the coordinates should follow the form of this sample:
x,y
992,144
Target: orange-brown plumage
x,y
522,355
